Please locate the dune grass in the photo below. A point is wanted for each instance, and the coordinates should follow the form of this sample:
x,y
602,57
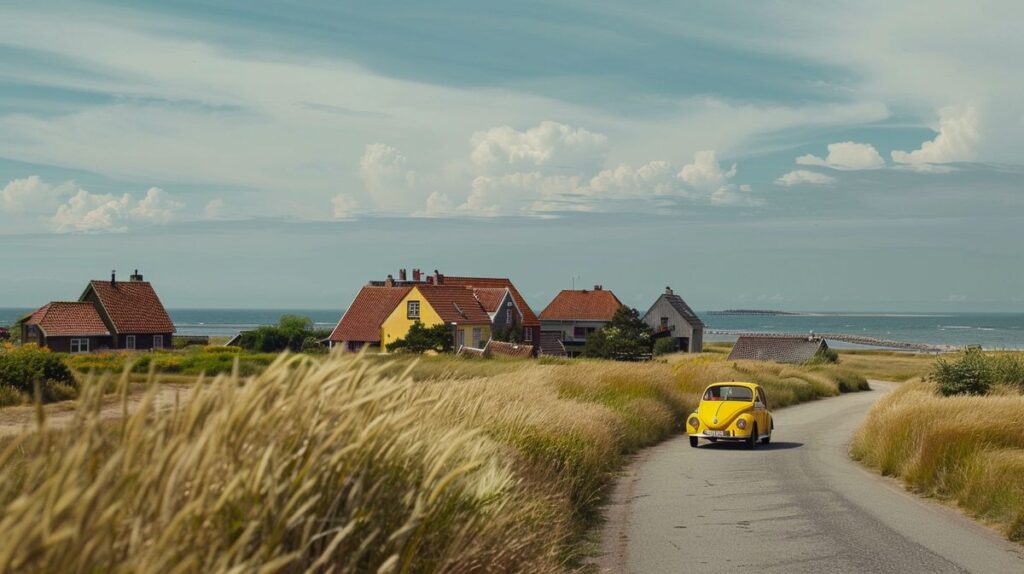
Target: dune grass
x,y
897,366
349,464
965,449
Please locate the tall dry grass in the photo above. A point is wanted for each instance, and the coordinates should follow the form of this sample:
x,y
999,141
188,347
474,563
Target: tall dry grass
x,y
967,449
343,464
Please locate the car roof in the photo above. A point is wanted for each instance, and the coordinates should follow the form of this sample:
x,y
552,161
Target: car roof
x,y
733,384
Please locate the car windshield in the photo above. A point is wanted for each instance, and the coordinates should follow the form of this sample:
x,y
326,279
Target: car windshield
x,y
729,393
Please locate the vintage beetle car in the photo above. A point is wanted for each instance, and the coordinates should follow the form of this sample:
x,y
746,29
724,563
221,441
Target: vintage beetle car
x,y
731,411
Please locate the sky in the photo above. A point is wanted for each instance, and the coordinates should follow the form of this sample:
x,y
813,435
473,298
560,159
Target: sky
x,y
843,156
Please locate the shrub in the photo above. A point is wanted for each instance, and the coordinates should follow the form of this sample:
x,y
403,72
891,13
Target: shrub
x,y
421,339
626,337
824,357
971,374
290,333
665,346
10,396
23,367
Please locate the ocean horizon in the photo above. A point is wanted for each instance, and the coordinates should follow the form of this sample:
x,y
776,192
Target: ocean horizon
x,y
990,330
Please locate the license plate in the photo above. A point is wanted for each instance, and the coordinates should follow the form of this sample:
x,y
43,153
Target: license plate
x,y
714,433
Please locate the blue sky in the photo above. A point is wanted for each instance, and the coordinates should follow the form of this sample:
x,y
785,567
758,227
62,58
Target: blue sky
x,y
851,156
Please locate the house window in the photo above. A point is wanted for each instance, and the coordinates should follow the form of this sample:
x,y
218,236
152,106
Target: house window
x,y
79,345
478,335
664,322
461,339
528,335
129,342
508,317
412,310
579,332
158,341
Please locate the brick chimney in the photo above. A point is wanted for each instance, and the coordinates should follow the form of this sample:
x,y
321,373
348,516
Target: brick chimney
x,y
598,287
438,277
401,274
390,281
135,277
416,275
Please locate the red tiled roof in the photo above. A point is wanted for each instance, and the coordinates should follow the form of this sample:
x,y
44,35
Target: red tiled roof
x,y
363,318
585,305
490,297
511,350
132,306
454,303
529,318
68,319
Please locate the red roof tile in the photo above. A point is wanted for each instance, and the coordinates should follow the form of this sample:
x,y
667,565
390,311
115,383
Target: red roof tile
x,y
363,318
490,297
511,350
455,304
585,305
529,318
68,319
132,306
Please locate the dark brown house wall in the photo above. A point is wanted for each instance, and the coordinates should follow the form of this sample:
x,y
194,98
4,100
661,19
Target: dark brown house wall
x,y
143,341
63,344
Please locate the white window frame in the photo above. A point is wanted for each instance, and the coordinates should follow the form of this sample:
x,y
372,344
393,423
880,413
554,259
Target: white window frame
x,y
129,342
158,341
412,309
82,345
527,335
460,339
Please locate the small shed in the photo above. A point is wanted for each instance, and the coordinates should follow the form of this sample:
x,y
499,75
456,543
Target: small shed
x,y
778,348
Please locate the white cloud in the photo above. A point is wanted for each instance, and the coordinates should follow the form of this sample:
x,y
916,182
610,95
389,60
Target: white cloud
x,y
846,156
213,209
386,176
549,143
803,176
705,173
344,206
438,203
33,195
155,207
958,135
87,212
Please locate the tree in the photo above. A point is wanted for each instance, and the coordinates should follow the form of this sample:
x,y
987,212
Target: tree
x,y
421,339
626,338
292,333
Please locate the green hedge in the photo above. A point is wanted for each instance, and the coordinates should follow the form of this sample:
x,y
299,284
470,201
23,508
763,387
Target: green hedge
x,y
23,367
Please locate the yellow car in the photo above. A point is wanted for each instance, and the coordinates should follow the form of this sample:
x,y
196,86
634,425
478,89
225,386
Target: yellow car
x,y
731,411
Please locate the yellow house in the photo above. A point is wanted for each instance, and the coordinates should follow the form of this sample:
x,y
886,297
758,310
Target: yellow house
x,y
435,305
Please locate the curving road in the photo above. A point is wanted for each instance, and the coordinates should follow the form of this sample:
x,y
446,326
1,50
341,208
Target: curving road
x,y
797,505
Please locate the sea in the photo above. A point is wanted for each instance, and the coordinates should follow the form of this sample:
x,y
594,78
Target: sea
x,y
990,330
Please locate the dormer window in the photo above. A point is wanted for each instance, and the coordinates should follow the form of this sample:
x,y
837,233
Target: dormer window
x,y
412,309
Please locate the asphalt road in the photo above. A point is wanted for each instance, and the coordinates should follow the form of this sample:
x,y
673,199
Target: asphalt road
x,y
797,505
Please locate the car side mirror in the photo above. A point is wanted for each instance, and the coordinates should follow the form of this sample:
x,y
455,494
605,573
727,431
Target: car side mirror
x,y
759,404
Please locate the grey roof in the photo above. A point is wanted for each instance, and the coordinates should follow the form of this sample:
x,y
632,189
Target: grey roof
x,y
551,344
779,349
683,309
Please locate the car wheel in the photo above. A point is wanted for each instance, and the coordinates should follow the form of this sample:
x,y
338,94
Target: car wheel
x,y
693,441
752,440
767,439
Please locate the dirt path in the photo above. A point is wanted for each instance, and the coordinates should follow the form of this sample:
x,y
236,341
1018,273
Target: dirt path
x,y
15,420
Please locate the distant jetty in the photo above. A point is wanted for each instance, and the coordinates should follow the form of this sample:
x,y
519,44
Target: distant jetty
x,y
751,312
845,337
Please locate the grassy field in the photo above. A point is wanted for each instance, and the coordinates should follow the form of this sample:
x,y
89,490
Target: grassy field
x,y
359,463
887,365
966,448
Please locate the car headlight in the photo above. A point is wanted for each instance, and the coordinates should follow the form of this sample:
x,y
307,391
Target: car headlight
x,y
695,422
742,424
